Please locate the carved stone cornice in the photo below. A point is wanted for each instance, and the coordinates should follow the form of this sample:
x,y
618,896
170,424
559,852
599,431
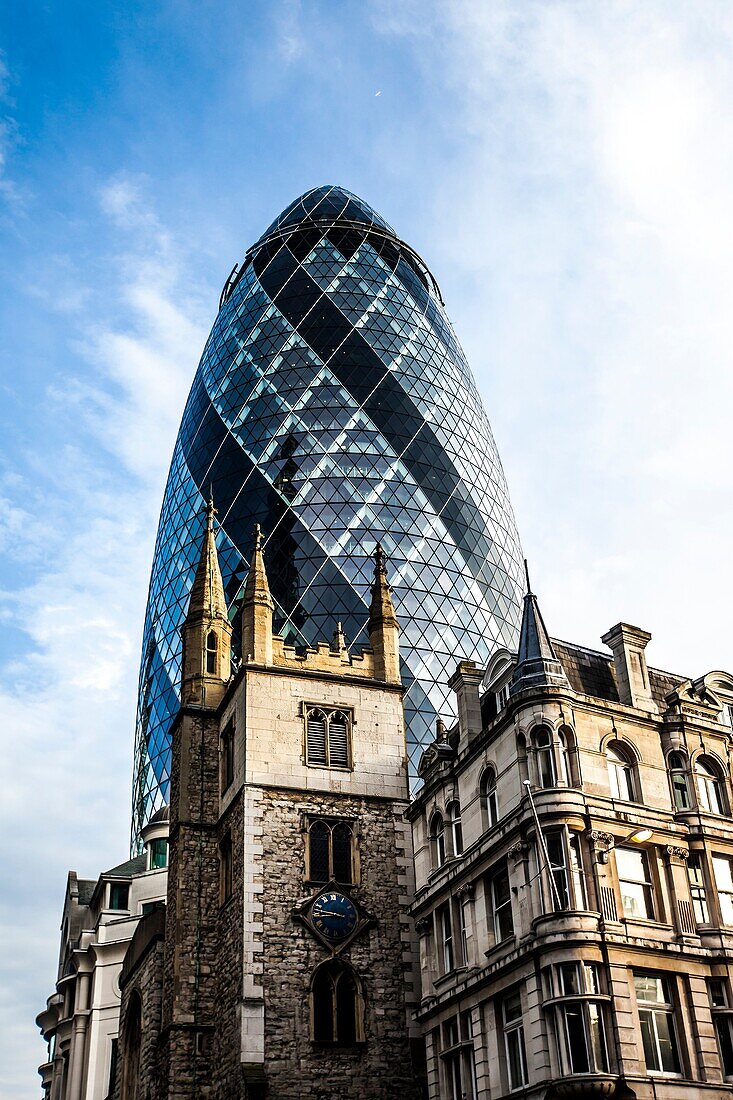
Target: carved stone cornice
x,y
598,837
675,854
518,850
466,891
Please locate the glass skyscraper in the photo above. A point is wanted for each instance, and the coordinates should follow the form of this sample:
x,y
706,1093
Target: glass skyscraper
x,y
333,406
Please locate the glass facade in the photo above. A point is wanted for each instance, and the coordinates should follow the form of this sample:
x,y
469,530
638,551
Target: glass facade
x,y
333,406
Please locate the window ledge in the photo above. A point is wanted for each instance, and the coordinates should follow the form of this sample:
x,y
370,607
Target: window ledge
x,y
452,975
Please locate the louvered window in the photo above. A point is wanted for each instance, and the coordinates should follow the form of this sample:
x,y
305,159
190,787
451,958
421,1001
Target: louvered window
x,y
327,737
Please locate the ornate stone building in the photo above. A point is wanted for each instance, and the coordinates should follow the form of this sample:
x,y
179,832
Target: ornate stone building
x,y
102,920
567,868
286,964
574,877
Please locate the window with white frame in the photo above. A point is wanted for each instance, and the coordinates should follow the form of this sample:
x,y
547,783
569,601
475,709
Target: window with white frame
x,y
563,849
720,1002
489,797
698,890
456,827
445,933
579,1017
501,903
457,1057
723,870
726,714
678,777
464,916
635,883
563,759
544,757
621,772
654,999
328,737
512,1025
709,784
437,839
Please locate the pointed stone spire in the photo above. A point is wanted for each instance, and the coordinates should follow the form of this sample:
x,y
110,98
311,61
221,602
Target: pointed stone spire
x,y
537,662
207,594
383,627
338,642
207,632
257,608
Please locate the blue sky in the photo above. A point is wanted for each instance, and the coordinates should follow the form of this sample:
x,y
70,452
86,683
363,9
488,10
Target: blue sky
x,y
563,167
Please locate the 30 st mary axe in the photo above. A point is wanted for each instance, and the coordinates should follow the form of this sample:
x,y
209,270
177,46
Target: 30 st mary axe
x,y
333,406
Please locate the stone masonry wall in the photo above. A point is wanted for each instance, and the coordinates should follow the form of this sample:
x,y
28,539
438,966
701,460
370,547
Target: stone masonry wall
x,y
147,982
381,1067
189,994
226,1068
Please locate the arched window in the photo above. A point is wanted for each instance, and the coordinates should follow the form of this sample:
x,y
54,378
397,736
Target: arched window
x,y
677,764
330,846
212,643
488,797
709,782
337,1014
132,1036
563,769
437,840
456,827
542,742
620,772
327,737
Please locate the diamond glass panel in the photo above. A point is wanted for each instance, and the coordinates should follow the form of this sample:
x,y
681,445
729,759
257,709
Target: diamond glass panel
x,y
333,406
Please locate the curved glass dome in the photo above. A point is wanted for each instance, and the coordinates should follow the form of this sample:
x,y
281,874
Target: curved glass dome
x,y
333,406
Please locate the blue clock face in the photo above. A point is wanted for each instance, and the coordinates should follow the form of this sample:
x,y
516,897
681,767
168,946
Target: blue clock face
x,y
334,916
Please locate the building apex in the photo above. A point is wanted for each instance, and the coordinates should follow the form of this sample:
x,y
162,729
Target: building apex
x,y
207,594
257,588
537,661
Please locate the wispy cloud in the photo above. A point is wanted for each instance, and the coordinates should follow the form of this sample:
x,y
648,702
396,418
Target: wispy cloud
x,y
590,224
68,702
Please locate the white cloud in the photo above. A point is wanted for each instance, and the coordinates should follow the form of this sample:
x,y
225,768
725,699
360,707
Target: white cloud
x,y
86,526
588,237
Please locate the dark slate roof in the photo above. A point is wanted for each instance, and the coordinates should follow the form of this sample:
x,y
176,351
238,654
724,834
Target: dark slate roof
x,y
163,814
126,870
592,673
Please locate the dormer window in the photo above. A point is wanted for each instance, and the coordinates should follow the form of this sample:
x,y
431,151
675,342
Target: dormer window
x,y
157,853
502,698
119,893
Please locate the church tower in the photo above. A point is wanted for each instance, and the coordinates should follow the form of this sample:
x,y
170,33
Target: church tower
x,y
289,962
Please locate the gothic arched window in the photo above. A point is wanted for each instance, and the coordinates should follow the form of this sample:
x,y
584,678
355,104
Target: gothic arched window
x,y
330,851
621,771
337,1014
709,782
212,644
327,737
132,1040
